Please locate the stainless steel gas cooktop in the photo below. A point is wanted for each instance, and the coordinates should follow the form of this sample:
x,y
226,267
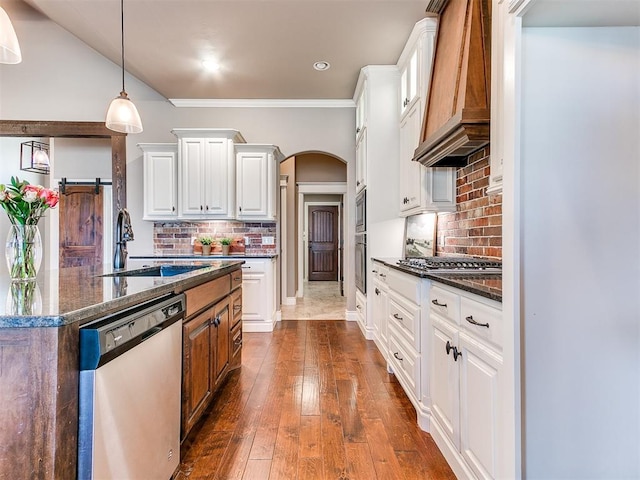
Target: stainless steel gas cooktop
x,y
452,264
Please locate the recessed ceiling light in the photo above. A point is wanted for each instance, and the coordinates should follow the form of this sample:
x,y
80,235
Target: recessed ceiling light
x,y
210,65
321,66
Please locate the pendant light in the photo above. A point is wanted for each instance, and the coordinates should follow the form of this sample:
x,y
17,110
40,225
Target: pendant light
x,y
122,115
9,47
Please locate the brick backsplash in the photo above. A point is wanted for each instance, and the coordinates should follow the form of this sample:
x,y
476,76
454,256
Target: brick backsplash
x,y
174,238
475,228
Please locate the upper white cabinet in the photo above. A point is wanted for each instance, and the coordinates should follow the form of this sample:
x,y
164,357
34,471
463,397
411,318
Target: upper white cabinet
x,y
498,133
160,173
257,171
361,136
206,172
421,189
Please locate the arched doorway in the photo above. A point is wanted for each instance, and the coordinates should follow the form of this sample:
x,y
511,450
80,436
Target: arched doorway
x,y
313,189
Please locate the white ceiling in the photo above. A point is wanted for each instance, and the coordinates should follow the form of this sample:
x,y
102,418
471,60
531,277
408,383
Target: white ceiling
x,y
266,47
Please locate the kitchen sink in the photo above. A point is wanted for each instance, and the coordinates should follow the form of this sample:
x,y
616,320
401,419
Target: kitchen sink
x,y
157,271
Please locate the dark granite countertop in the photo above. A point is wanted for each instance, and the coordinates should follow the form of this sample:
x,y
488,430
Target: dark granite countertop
x,y
78,294
488,285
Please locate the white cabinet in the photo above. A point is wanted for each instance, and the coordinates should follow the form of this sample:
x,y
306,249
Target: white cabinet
x,y
206,172
499,28
408,351
160,174
257,168
421,189
465,373
361,99
361,160
361,311
380,306
259,295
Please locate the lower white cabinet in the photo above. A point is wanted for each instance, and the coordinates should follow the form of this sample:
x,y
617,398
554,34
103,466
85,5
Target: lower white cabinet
x,y
361,311
259,295
465,370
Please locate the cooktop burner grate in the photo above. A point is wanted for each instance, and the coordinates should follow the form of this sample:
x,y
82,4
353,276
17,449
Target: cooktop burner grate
x,y
451,263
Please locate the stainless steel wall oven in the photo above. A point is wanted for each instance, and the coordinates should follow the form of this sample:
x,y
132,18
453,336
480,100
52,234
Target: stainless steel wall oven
x,y
361,212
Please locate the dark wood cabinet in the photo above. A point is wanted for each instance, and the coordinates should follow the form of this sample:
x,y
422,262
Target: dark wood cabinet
x,y
209,352
221,340
196,375
235,337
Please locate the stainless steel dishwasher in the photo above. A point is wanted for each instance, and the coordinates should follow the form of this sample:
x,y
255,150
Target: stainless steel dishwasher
x,y
130,381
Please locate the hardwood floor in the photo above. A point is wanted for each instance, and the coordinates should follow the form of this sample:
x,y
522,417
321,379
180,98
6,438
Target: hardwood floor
x,y
313,400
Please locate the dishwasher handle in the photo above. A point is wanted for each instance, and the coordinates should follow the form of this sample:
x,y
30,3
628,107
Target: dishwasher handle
x,y
150,333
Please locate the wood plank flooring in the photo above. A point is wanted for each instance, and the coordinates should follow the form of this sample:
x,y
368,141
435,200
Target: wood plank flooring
x,y
313,400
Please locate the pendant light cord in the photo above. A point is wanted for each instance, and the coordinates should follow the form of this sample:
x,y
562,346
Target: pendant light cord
x,y
122,38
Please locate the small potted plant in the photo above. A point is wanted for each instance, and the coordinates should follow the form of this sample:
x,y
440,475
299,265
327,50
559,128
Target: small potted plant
x,y
226,243
206,241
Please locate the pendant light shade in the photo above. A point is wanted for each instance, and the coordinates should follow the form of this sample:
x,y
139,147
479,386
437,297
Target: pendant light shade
x,y
122,115
9,47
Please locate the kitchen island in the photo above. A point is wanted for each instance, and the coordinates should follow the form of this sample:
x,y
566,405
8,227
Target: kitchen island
x,y
39,331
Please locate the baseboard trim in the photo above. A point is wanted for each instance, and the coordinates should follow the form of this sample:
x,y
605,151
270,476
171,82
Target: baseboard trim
x,y
450,452
260,327
289,300
351,315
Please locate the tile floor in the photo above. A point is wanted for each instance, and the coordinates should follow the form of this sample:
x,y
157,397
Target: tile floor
x,y
322,301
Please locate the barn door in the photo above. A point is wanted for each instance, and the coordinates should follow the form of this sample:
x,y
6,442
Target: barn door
x,y
81,226
323,243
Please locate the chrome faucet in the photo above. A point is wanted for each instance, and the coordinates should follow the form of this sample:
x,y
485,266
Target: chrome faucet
x,y
124,234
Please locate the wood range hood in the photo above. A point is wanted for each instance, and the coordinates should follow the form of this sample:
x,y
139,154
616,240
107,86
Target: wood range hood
x,y
457,113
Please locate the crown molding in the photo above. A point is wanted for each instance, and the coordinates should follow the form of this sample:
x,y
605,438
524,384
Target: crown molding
x,y
260,103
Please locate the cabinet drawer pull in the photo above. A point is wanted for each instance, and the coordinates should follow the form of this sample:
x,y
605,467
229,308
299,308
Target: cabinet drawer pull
x,y
246,266
237,279
173,209
448,347
236,308
473,322
395,354
437,303
398,317
201,208
383,275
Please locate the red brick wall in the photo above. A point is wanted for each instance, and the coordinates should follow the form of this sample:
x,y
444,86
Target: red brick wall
x,y
475,229
174,238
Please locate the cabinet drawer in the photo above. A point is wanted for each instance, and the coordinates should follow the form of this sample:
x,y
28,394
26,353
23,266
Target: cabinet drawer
x,y
236,278
207,293
489,319
445,303
406,318
254,266
236,306
405,362
380,272
405,285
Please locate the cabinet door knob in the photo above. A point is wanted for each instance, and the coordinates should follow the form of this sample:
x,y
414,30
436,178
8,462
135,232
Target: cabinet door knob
x,y
448,347
201,208
358,183
395,354
473,322
358,130
438,304
377,291
456,354
173,209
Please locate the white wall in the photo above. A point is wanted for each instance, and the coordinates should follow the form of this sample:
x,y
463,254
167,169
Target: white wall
x,y
580,180
60,78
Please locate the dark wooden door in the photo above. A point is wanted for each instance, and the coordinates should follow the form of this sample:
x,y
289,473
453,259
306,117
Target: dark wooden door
x,y
81,226
323,243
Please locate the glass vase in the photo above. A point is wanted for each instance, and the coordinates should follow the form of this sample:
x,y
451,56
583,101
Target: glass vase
x,y
23,252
